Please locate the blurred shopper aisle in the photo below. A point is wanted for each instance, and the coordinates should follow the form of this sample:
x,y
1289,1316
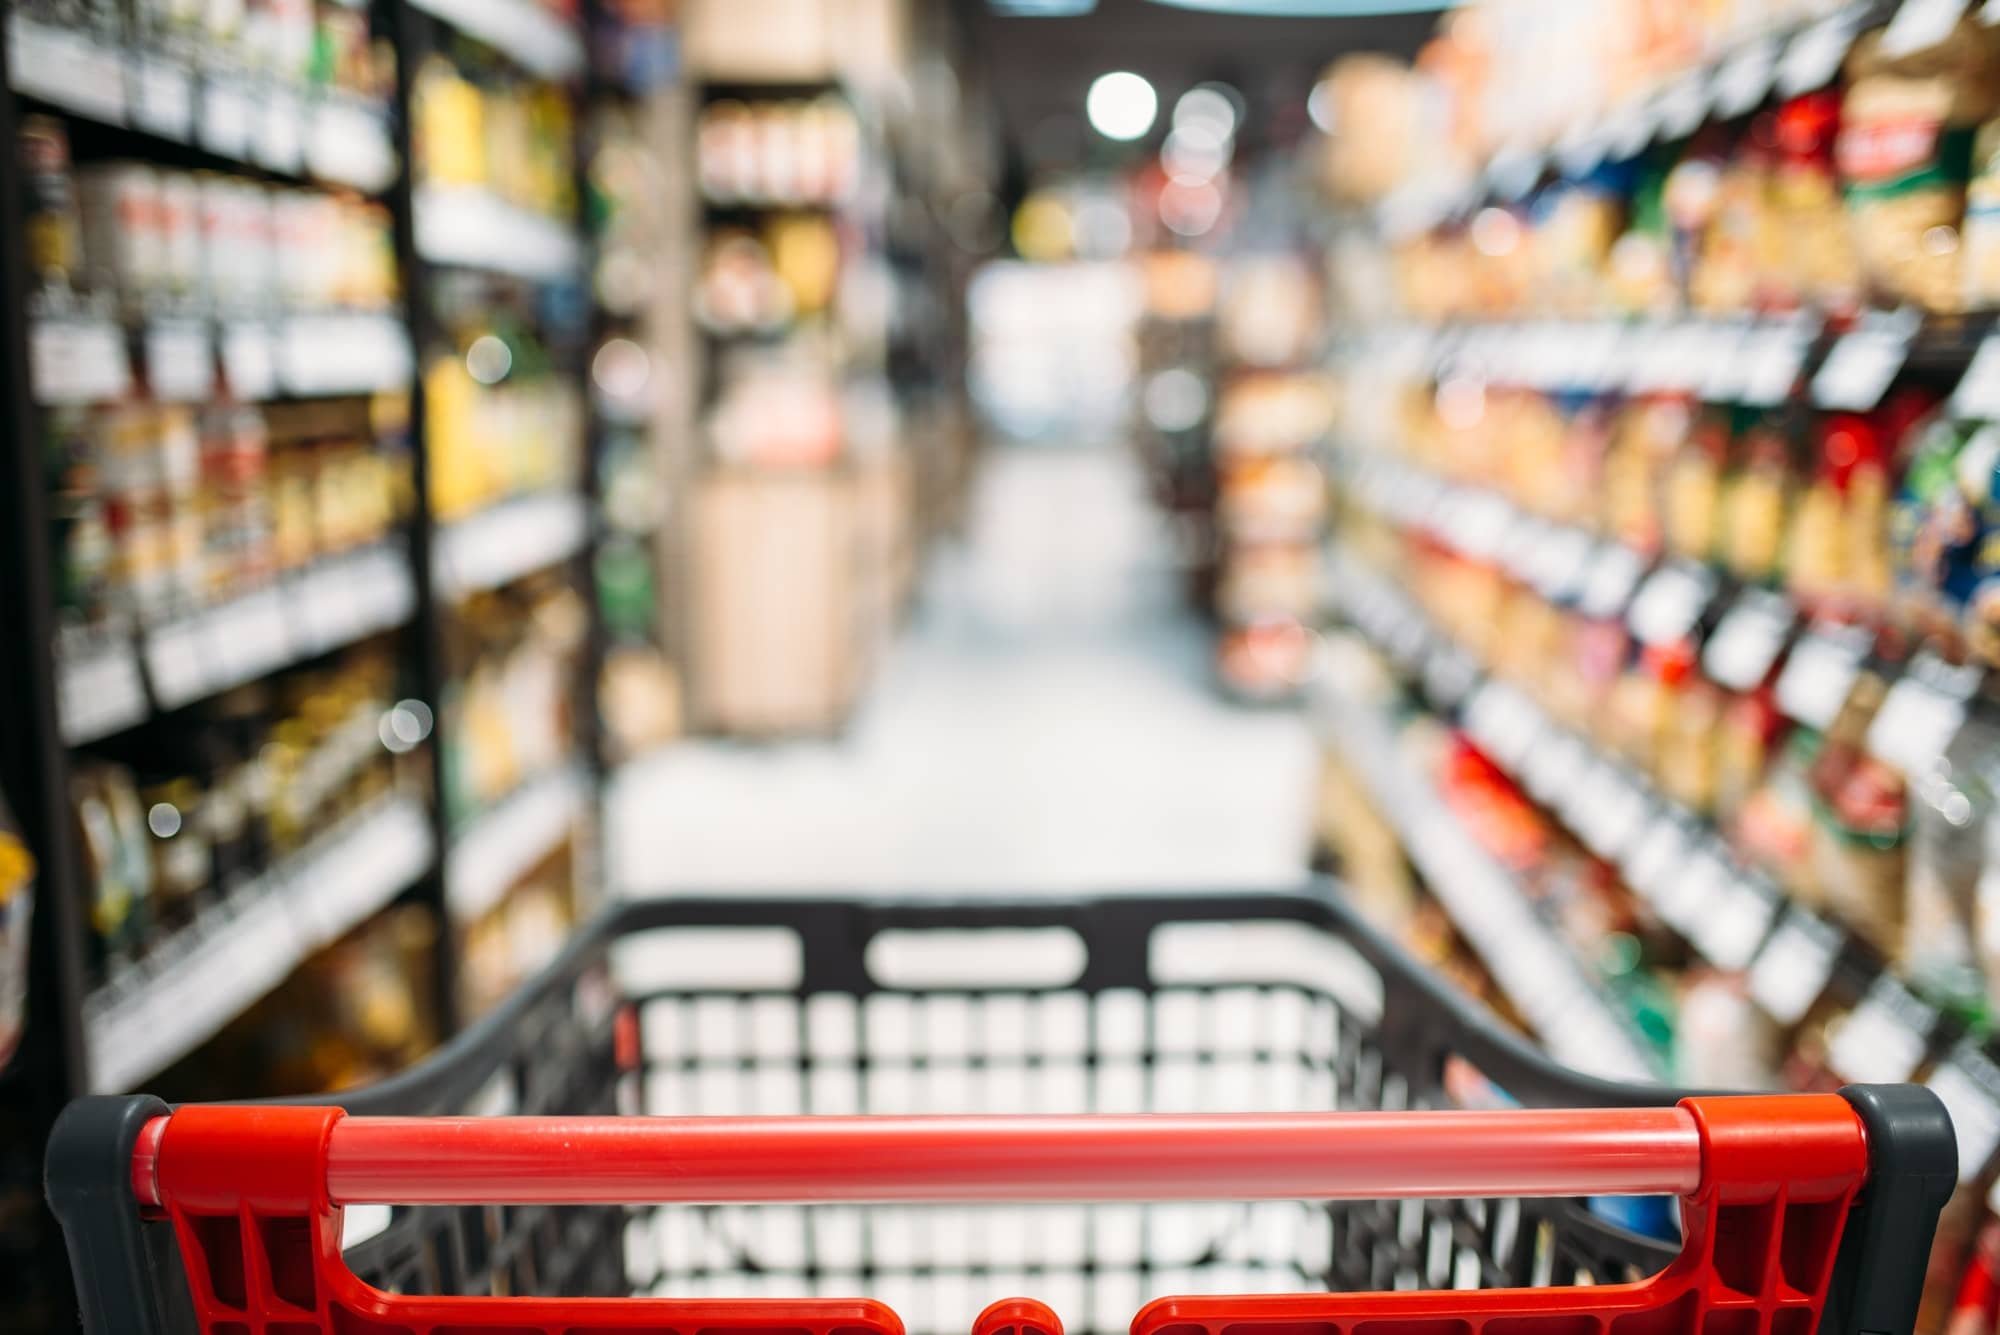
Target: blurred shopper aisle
x,y
1046,723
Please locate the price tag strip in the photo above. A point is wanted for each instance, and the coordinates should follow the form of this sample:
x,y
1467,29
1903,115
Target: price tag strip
x,y
70,69
231,956
1609,581
1680,108
1858,370
1772,358
1819,673
1922,712
1920,25
1748,639
1745,78
1978,394
98,689
1794,967
78,361
1883,1040
161,93
1967,1082
1732,928
1656,860
1670,602
180,361
228,118
1814,56
492,854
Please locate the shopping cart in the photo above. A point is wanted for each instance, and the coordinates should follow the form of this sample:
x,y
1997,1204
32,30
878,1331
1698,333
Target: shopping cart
x,y
752,1200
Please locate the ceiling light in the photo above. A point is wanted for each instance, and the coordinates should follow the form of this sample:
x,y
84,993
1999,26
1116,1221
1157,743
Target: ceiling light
x,y
1206,107
1121,105
1041,9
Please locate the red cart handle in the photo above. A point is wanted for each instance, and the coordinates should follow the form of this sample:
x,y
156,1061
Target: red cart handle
x,y
254,1196
638,1160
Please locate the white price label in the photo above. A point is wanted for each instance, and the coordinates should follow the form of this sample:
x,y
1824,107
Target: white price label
x,y
1730,932
78,361
1608,811
1504,724
68,68
1581,149
180,363
1771,360
249,362
228,118
327,604
1922,711
281,132
177,663
1449,673
1818,675
1687,897
1745,78
1513,172
1555,767
1631,126
250,635
1920,25
1857,372
1560,562
1814,56
1657,858
1978,392
1609,580
1478,524
1794,966
1748,639
1968,1084
1883,1039
1670,602
162,97
98,690
1721,371
1681,107
350,144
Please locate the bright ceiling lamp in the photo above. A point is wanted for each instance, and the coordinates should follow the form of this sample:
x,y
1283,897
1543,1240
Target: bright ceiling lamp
x,y
1041,9
1313,9
1121,105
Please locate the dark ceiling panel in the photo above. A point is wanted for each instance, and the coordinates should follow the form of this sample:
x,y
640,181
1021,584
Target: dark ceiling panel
x,y
1038,69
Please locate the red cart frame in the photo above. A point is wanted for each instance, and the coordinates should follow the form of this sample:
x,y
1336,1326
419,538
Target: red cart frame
x,y
1799,1213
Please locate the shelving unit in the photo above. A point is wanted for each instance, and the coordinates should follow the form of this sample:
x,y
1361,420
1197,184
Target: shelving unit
x,y
84,688
1537,971
1600,519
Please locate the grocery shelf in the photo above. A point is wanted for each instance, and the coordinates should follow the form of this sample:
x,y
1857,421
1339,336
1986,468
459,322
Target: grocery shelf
x,y
1734,917
1730,83
522,30
473,228
1534,968
256,123
492,853
504,542
84,360
334,603
201,978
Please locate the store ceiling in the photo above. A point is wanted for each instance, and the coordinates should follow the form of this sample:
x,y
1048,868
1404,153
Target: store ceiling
x,y
1038,68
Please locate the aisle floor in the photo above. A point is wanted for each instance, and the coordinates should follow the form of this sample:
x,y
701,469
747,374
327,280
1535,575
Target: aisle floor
x,y
1045,723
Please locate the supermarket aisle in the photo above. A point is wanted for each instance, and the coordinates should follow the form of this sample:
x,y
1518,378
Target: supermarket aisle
x,y
1045,724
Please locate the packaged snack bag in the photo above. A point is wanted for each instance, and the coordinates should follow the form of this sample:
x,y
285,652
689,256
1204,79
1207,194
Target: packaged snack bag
x,y
1905,155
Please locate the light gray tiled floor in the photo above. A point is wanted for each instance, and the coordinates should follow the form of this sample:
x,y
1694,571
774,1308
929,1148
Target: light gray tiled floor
x,y
1044,724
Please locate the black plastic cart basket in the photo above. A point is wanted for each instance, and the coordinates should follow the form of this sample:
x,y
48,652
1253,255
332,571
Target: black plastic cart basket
x,y
1226,1114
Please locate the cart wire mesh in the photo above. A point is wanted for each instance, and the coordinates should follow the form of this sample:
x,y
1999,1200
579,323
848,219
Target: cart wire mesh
x,y
1191,1004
